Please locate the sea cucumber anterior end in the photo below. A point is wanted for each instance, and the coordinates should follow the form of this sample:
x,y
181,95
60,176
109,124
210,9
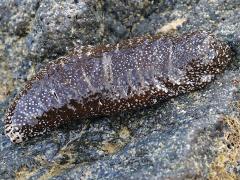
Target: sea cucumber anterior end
x,y
14,134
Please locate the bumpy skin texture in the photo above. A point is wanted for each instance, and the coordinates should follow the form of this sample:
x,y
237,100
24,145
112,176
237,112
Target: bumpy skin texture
x,y
103,80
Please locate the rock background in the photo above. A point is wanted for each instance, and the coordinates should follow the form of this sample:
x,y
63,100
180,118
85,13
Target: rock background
x,y
195,136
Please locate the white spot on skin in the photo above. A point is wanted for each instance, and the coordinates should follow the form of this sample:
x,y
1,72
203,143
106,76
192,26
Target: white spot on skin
x,y
71,107
100,103
162,87
207,78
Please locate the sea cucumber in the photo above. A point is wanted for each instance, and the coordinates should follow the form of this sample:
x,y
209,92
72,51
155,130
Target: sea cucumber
x,y
108,79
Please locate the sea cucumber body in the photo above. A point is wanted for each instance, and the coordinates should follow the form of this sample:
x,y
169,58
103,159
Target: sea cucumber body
x,y
109,79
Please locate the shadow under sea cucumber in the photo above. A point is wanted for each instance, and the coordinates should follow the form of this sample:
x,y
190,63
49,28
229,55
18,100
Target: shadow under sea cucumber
x,y
107,79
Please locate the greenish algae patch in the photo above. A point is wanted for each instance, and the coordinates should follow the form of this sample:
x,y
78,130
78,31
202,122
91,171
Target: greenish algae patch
x,y
113,146
56,168
6,81
110,148
24,173
172,26
124,133
229,152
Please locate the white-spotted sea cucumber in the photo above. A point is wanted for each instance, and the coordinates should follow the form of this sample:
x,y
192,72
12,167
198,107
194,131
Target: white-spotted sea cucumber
x,y
107,79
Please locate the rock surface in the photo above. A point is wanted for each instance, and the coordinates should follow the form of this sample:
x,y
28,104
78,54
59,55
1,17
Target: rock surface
x,y
192,136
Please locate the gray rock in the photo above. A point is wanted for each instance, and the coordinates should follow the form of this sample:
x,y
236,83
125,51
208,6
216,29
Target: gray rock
x,y
193,136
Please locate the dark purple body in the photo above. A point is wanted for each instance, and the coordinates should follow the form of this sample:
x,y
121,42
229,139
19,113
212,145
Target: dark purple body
x,y
113,78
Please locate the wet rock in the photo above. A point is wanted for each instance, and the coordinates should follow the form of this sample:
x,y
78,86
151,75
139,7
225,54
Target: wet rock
x,y
192,136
